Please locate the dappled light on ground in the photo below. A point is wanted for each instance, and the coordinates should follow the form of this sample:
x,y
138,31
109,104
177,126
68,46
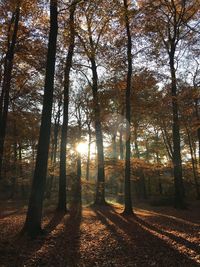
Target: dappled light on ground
x,y
102,237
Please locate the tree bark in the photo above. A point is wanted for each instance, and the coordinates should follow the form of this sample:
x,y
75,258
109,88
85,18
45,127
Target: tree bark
x,y
62,179
179,201
88,154
198,130
193,164
5,94
114,146
79,172
34,214
100,190
121,145
54,149
127,183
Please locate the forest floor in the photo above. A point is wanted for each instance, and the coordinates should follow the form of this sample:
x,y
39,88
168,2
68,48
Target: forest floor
x,y
103,237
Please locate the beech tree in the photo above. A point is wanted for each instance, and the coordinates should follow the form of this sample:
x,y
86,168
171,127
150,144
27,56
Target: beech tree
x,y
34,214
169,22
90,42
6,84
127,185
68,64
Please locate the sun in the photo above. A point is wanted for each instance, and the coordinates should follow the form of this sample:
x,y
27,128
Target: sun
x,y
82,148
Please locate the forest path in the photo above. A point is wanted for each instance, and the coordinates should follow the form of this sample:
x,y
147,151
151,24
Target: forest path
x,y
101,236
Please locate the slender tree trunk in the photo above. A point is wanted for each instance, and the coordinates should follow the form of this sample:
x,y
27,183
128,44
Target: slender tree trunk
x,y
193,164
88,155
198,130
136,141
167,144
121,145
7,84
160,188
100,190
54,149
114,146
20,159
23,191
121,152
62,179
34,214
177,162
79,173
15,169
127,185
147,154
5,63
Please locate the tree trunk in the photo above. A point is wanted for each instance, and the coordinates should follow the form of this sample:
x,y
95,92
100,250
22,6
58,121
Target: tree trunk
x,y
100,190
177,162
127,185
5,95
114,144
88,155
167,144
34,214
137,151
193,164
62,179
198,130
15,169
54,149
79,173
121,145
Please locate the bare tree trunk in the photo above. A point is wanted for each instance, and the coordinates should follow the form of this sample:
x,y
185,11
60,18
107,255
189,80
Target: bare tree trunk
x,y
127,183
193,164
100,190
121,145
79,173
88,155
7,83
114,146
167,143
54,149
177,162
136,141
198,130
62,179
34,214
15,169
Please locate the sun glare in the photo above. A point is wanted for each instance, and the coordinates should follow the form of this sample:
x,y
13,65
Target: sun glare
x,y
82,148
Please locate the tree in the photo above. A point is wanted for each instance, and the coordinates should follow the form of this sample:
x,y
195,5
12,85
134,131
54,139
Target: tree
x,y
68,64
169,24
32,224
127,185
91,43
6,85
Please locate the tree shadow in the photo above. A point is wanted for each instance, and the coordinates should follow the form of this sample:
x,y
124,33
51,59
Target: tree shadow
x,y
11,213
177,239
26,247
132,230
179,218
72,234
53,223
59,245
